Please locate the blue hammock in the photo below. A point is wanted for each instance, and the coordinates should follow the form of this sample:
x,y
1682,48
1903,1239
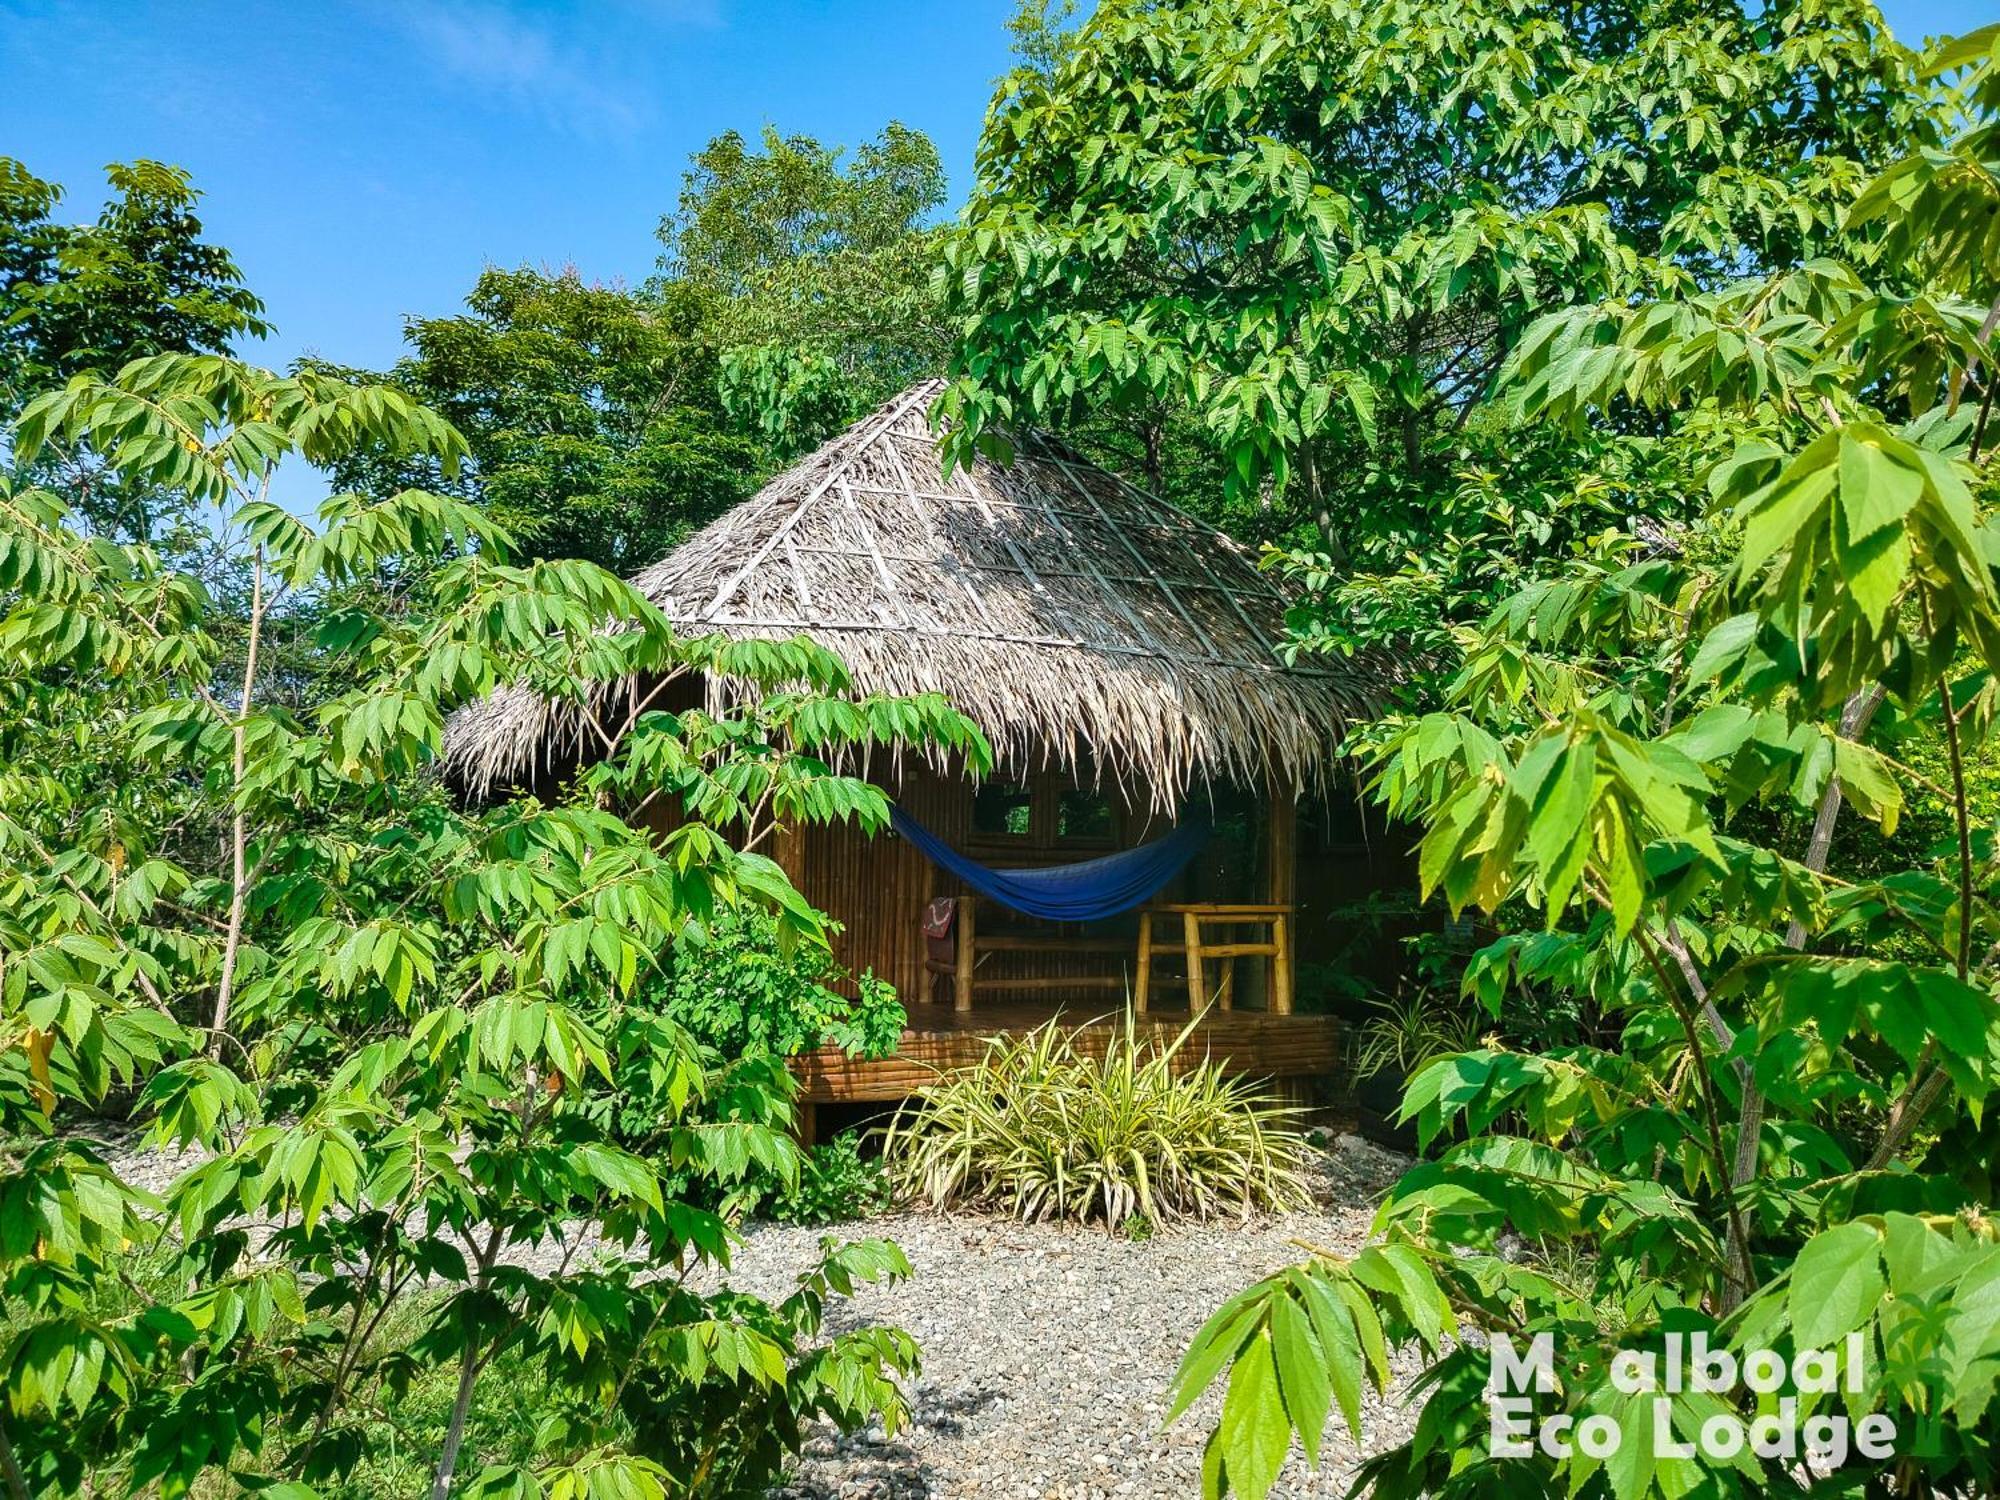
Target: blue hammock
x,y
1083,892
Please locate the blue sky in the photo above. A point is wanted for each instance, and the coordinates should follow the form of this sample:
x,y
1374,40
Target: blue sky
x,y
364,159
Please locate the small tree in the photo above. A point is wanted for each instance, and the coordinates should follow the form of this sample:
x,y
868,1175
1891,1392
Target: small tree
x,y
1785,1145
390,1028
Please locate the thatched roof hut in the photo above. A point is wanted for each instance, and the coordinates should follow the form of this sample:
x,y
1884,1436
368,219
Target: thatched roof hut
x,y
1078,619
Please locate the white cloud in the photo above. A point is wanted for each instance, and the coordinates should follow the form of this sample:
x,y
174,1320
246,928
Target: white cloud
x,y
529,65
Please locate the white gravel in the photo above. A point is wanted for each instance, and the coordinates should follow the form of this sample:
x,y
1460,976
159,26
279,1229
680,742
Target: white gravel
x,y
1047,1350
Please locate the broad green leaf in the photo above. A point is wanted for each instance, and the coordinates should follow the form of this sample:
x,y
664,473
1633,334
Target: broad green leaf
x,y
1836,1284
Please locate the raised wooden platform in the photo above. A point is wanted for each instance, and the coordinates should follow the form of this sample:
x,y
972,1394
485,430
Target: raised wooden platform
x,y
938,1039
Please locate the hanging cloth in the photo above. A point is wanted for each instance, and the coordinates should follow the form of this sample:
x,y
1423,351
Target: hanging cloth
x,y
1083,892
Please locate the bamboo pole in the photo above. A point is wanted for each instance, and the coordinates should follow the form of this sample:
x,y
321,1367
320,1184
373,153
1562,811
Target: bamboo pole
x,y
966,928
1144,985
1281,864
1281,965
1197,982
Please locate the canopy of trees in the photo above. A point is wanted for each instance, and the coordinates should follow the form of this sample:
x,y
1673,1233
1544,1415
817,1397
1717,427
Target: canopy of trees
x,y
1622,370
137,280
605,422
1300,226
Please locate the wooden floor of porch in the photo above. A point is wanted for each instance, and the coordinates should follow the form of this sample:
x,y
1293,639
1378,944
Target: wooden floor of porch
x,y
1257,1043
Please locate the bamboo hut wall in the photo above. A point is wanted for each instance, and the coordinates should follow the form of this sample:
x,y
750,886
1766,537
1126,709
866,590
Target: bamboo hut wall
x,y
1347,855
877,887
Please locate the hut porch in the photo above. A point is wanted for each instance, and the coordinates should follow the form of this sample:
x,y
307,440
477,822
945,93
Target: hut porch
x,y
1204,938
1216,941
1257,1043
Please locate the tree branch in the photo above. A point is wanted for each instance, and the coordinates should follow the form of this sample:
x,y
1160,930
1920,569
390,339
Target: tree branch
x,y
1927,1081
239,828
1855,716
1736,1265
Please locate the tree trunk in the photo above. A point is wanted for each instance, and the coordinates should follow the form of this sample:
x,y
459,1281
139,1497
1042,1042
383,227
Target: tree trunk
x,y
239,831
10,1467
454,1435
1854,719
468,1377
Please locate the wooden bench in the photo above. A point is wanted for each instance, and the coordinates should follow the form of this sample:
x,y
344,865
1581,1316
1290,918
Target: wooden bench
x,y
969,944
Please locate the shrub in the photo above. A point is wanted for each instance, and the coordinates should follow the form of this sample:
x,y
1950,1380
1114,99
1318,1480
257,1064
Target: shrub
x,y
835,1184
748,1002
1045,1132
743,992
1405,1031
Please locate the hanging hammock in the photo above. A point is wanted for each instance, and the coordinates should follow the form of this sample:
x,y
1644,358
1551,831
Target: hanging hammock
x,y
1083,892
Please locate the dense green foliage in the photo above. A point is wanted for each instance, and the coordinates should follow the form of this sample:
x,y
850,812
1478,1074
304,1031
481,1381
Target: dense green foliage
x,y
241,905
817,273
1774,1132
1041,1129
606,422
591,416
1402,1034
837,1182
1286,245
390,1029
137,280
743,991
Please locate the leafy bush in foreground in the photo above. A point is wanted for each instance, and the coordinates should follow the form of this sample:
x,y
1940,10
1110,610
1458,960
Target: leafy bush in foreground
x,y
1045,1132
390,1030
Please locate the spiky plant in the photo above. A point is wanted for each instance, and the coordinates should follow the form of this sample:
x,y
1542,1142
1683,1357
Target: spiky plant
x,y
1039,1130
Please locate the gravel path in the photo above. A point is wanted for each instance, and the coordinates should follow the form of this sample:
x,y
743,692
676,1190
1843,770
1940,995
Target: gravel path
x,y
1047,1350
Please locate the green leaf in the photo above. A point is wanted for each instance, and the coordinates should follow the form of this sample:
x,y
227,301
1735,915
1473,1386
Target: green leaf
x,y
1865,781
1723,646
1302,1373
1340,1345
1780,514
1255,1431
1836,1284
1877,489
1875,569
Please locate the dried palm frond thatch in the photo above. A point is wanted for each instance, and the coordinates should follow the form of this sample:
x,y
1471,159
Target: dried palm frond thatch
x,y
1079,620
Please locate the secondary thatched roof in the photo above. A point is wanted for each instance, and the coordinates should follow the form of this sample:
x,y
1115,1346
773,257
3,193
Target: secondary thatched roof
x,y
1078,619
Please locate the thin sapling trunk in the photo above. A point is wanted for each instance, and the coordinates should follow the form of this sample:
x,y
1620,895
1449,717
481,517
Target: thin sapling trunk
x,y
239,827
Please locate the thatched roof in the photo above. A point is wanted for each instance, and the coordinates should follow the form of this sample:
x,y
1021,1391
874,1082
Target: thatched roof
x,y
1079,620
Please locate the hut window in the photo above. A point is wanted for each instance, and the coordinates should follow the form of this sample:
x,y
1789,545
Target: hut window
x,y
1083,815
1004,808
